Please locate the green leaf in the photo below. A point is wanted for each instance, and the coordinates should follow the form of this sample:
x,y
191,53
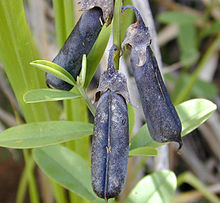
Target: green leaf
x,y
96,53
67,168
131,116
41,134
17,49
192,114
177,17
158,187
82,77
214,28
54,69
187,39
143,151
200,89
45,95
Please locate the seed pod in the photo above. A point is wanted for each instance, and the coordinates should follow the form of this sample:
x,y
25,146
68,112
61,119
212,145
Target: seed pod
x,y
110,142
80,41
163,122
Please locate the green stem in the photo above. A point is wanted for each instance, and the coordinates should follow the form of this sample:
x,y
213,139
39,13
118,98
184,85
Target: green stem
x,y
31,180
87,100
193,181
117,30
184,94
59,192
22,187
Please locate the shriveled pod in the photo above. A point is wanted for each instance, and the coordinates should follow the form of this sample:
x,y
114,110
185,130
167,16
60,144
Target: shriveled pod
x,y
163,122
81,40
110,142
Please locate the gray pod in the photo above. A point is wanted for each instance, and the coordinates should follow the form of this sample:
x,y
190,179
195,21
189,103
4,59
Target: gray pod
x,y
110,145
163,122
78,43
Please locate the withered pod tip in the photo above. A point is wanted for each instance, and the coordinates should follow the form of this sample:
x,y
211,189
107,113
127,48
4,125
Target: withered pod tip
x,y
137,36
112,79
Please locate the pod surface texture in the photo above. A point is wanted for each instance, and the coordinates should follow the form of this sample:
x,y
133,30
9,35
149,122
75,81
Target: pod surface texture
x,y
80,42
162,119
110,145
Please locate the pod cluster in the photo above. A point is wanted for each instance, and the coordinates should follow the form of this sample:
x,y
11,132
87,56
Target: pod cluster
x,y
110,142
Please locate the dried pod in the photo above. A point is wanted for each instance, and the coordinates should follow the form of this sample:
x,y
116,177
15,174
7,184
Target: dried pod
x,y
107,7
110,142
78,43
163,122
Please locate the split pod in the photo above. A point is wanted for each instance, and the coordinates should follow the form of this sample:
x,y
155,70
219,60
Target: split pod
x,y
110,142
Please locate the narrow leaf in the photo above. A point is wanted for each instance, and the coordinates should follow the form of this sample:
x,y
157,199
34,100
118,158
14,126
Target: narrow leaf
x,y
55,70
67,168
143,151
41,134
158,187
16,51
96,53
192,114
82,76
177,17
187,41
45,95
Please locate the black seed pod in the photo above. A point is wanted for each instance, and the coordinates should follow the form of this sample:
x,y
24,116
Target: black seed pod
x,y
110,142
163,122
78,43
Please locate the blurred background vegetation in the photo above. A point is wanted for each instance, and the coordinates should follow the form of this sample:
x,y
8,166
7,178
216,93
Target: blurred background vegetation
x,y
188,34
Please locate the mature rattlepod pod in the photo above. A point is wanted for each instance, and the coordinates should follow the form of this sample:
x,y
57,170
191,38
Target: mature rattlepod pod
x,y
163,122
110,142
81,40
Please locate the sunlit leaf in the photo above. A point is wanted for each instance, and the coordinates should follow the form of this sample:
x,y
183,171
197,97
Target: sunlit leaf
x,y
41,134
192,114
45,95
158,187
54,69
143,151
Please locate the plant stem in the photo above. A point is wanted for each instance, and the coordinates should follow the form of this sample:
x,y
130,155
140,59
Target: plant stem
x,y
117,30
22,187
184,93
59,192
189,178
31,180
87,100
